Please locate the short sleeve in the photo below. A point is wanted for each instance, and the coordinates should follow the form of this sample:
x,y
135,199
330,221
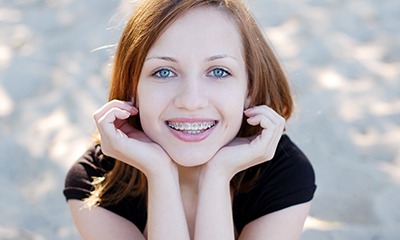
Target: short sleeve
x,y
286,180
80,176
78,186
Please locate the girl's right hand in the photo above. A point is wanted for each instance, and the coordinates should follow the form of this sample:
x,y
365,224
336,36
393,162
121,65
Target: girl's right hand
x,y
123,142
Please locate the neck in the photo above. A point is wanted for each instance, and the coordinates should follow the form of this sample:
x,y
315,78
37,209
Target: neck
x,y
189,176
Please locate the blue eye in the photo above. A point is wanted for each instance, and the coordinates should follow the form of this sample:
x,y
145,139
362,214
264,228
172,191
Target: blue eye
x,y
219,73
164,73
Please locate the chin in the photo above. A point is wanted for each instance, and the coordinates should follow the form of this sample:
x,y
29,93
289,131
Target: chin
x,y
192,160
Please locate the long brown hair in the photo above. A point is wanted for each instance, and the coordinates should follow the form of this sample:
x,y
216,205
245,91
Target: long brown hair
x,y
267,83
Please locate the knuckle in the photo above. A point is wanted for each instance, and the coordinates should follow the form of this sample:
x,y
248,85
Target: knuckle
x,y
262,107
96,114
281,119
114,102
100,122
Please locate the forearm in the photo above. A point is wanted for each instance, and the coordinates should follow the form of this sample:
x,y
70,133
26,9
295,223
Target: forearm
x,y
214,218
166,216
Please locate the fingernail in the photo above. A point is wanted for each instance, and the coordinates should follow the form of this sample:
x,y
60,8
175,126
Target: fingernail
x,y
134,110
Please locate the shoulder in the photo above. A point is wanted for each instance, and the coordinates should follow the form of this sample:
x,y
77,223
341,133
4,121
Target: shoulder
x,y
290,164
286,180
93,163
288,172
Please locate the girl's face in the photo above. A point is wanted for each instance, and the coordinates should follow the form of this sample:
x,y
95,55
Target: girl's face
x,y
193,86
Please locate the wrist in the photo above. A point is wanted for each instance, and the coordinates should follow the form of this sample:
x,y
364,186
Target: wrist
x,y
214,174
162,174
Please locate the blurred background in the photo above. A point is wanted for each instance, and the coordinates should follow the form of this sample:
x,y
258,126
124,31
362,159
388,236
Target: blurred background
x,y
342,59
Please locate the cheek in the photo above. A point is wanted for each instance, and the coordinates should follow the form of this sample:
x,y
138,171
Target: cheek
x,y
237,99
238,118
146,109
234,110
145,120
150,123
146,97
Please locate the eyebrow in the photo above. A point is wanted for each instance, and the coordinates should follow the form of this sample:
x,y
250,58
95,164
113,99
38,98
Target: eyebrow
x,y
209,59
221,56
170,59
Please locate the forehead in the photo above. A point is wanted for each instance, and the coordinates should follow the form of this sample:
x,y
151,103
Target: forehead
x,y
204,16
201,28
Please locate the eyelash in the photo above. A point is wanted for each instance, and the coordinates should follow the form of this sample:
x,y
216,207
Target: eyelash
x,y
157,73
225,73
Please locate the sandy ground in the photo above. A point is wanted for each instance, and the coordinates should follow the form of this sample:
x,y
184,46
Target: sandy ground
x,y
342,57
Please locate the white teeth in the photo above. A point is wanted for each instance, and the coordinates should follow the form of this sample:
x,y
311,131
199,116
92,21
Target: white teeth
x,y
192,128
193,132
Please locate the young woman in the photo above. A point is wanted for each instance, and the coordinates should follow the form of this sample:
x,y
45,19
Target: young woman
x,y
191,142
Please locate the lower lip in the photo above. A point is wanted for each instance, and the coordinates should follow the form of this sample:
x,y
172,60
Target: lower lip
x,y
186,137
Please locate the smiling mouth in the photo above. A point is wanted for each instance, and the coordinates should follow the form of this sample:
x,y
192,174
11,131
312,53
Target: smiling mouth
x,y
191,128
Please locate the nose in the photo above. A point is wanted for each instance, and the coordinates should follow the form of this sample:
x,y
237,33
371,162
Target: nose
x,y
191,94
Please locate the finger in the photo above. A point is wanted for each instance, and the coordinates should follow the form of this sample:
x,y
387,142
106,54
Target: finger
x,y
270,134
268,129
127,106
274,126
119,123
261,120
106,123
264,110
267,126
265,118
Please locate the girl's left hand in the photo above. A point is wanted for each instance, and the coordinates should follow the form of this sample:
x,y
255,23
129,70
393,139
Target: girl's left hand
x,y
243,153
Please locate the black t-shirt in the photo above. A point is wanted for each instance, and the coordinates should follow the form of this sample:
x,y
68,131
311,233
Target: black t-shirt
x,y
286,180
